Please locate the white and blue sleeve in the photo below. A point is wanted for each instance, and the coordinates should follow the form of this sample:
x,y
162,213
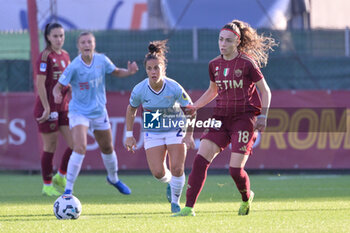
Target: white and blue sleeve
x,y
135,98
182,97
110,67
67,75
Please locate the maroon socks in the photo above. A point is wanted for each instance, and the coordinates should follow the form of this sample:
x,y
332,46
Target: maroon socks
x,y
46,167
196,179
65,160
241,178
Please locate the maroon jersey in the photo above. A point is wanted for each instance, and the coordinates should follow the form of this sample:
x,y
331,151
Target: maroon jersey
x,y
235,80
52,65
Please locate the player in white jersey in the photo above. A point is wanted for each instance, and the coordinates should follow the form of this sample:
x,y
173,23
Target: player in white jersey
x,y
87,109
161,99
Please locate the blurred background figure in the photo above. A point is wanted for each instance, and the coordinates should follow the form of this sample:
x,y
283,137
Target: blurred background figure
x,y
87,108
51,117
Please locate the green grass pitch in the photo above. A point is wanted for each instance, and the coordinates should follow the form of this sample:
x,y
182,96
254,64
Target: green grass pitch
x,y
286,203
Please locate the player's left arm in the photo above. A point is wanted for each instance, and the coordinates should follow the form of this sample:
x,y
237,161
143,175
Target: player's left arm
x,y
122,72
265,104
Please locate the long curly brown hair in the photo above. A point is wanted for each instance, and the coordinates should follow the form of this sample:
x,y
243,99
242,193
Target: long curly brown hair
x,y
255,45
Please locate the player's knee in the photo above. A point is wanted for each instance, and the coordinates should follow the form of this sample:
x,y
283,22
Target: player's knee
x,y
50,146
80,149
158,174
106,149
177,171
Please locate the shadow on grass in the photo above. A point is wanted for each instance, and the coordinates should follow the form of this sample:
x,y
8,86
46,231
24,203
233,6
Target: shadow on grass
x,y
33,217
50,217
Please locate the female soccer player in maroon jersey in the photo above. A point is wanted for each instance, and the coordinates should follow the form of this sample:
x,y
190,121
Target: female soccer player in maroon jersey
x,y
234,76
52,117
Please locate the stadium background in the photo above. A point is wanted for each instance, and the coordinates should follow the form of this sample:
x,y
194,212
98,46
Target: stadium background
x,y
308,74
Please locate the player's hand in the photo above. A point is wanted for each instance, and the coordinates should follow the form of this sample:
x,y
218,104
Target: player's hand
x,y
190,110
188,141
130,144
44,117
260,124
132,68
57,97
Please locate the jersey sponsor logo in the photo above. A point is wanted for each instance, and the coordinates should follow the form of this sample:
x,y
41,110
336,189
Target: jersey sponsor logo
x,y
229,84
84,86
54,60
56,75
226,71
63,64
238,72
43,67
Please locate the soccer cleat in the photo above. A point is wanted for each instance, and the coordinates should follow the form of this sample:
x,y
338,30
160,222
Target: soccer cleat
x,y
175,208
123,188
246,205
59,181
186,211
68,192
49,190
168,193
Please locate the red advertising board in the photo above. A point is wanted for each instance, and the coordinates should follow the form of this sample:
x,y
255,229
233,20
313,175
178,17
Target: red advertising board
x,y
307,130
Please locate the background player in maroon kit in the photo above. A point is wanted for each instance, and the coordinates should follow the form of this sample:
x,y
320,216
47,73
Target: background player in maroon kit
x,y
52,117
234,76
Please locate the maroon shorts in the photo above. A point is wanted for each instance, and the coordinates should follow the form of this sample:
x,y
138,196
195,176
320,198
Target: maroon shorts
x,y
237,130
52,124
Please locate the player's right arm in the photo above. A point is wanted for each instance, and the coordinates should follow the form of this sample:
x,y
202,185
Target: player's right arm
x,y
134,102
206,98
40,84
130,142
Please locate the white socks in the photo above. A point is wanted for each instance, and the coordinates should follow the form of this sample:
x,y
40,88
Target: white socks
x,y
73,169
167,177
176,185
111,164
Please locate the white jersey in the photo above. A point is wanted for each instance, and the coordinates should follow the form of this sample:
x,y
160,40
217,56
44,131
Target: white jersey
x,y
88,85
167,101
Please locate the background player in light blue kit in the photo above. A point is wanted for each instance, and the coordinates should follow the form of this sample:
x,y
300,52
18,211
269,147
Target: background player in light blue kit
x,y
87,109
158,95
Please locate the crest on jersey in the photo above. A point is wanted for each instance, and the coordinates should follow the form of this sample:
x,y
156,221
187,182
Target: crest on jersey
x,y
226,71
63,64
216,71
238,72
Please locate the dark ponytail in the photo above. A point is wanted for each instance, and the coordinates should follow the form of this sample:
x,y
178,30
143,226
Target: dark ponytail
x,y
48,29
157,50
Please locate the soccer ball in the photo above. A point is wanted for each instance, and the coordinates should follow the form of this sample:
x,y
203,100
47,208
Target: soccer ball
x,y
67,207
